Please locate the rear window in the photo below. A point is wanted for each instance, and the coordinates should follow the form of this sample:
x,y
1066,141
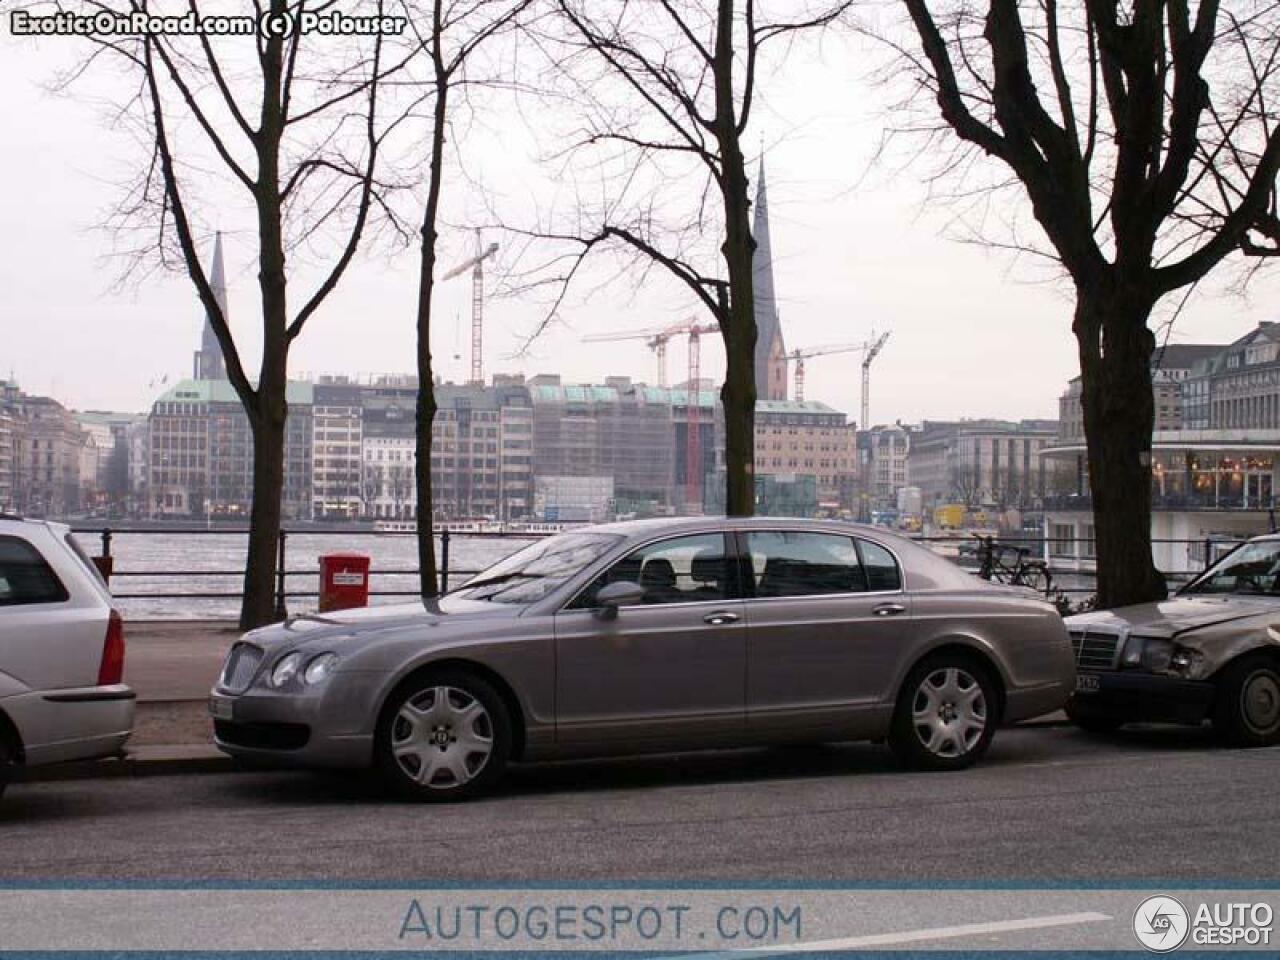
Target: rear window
x,y
85,561
25,577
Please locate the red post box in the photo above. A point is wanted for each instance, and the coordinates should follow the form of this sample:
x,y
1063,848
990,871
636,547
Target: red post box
x,y
344,581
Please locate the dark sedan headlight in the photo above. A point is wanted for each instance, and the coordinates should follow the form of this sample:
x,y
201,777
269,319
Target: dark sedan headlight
x,y
1159,655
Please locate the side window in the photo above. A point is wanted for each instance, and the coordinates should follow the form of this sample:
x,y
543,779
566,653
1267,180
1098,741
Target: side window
x,y
881,568
25,577
683,570
794,564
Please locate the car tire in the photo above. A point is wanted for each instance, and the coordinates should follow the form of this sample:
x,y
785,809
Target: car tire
x,y
1090,721
946,713
1246,710
442,736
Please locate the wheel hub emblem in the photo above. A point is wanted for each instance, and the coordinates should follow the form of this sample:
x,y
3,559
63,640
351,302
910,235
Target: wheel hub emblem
x,y
440,737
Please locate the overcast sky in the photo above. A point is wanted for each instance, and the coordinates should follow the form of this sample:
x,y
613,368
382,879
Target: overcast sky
x,y
972,333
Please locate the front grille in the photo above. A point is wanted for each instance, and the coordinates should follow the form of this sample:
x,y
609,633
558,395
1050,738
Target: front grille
x,y
1095,650
242,663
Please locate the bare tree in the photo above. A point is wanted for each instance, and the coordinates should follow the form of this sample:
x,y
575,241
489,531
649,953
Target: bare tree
x,y
1120,123
453,33
667,90
291,121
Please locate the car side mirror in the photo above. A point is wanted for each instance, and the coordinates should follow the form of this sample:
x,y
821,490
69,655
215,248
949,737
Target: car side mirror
x,y
620,593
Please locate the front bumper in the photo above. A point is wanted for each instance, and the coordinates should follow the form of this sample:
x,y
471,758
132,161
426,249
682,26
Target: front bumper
x,y
330,726
1133,696
77,723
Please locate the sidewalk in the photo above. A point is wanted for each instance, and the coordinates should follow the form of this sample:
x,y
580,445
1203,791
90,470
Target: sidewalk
x,y
172,664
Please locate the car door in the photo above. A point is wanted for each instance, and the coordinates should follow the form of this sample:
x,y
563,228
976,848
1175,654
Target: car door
x,y
828,620
669,671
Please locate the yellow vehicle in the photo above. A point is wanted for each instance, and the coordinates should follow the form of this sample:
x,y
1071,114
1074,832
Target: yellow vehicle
x,y
949,516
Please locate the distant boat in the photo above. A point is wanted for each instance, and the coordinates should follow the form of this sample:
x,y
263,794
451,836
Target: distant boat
x,y
475,527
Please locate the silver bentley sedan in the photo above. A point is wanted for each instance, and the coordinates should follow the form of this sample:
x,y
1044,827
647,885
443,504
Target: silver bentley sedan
x,y
653,636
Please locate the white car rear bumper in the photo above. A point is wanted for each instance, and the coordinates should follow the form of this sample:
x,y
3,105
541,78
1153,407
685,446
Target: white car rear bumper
x,y
78,723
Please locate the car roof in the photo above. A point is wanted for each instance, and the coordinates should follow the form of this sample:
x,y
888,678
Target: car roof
x,y
661,525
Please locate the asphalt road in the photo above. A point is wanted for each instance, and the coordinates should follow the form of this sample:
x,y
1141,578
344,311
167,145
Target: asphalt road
x,y
1048,804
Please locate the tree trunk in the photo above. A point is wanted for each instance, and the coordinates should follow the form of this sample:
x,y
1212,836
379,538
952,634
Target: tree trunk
x,y
738,395
428,577
258,605
1119,413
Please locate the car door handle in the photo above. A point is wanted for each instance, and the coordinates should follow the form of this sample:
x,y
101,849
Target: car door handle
x,y
889,610
720,618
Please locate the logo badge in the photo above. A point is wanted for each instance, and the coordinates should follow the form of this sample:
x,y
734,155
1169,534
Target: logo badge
x,y
1161,924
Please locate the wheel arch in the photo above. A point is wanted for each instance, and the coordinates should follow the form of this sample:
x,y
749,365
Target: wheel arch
x,y
970,648
486,673
9,734
1261,651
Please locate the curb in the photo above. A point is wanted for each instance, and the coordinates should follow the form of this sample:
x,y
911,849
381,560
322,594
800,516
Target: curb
x,y
147,762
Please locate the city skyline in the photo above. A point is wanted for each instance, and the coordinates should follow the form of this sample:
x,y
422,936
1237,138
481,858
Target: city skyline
x,y
973,334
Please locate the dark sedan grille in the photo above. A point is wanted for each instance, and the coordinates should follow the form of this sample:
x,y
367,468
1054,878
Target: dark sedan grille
x,y
1095,651
242,663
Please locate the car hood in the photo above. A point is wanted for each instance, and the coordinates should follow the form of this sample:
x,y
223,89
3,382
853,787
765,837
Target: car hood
x,y
1180,616
365,624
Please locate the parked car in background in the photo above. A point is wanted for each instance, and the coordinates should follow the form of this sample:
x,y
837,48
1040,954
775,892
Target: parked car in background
x,y
653,635
1211,652
62,695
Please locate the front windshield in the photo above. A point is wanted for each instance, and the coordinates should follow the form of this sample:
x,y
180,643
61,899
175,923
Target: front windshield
x,y
530,574
1252,569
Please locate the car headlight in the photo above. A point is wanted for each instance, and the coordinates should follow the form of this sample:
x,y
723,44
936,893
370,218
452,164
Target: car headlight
x,y
1153,654
319,668
286,669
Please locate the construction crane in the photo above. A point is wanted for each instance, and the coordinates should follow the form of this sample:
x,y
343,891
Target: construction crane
x,y
476,266
657,340
870,350
804,353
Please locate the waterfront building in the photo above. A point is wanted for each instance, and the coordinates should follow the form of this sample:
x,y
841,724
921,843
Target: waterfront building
x,y
1172,386
10,442
337,435
481,450
993,463
201,453
622,430
1213,476
49,458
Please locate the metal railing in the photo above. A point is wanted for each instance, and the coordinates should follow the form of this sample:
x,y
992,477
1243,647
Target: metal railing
x,y
967,554
283,594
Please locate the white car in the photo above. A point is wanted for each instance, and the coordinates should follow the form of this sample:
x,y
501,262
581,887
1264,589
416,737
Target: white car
x,y
62,695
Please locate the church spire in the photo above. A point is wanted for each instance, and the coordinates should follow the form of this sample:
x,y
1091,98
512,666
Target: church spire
x,y
210,364
770,355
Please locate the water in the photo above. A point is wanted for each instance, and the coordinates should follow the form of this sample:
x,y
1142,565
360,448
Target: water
x,y
157,563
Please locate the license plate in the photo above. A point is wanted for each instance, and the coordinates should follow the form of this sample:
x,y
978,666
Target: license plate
x,y
221,708
1086,683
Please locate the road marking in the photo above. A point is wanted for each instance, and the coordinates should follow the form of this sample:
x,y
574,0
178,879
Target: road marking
x,y
909,936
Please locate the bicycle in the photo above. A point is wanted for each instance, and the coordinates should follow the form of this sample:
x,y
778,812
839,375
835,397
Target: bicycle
x,y
1020,571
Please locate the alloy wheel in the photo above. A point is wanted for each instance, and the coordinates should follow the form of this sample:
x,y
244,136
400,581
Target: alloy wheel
x,y
442,737
949,712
